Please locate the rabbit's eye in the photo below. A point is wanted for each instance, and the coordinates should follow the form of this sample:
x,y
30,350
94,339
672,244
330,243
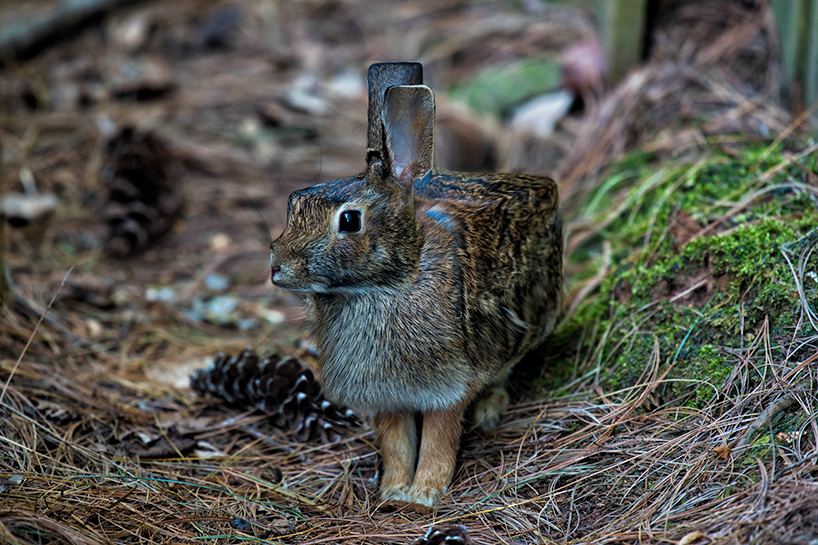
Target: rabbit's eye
x,y
349,221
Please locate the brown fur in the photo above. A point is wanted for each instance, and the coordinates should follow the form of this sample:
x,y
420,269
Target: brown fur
x,y
450,281
397,437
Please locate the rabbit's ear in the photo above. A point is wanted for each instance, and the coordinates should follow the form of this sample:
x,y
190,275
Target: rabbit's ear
x,y
380,77
409,125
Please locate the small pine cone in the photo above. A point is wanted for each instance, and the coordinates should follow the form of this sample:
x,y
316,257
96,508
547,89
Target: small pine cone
x,y
143,200
284,389
445,535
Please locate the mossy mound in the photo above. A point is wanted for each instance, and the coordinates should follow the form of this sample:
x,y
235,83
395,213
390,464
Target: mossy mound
x,y
693,265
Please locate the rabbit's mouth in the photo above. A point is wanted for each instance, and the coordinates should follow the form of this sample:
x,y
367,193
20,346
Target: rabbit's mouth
x,y
283,279
285,276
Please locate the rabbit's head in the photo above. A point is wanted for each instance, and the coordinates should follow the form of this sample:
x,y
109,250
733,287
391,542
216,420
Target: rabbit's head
x,y
360,233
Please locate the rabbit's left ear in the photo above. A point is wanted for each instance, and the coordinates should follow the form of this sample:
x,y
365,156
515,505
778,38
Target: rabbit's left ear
x,y
409,125
380,77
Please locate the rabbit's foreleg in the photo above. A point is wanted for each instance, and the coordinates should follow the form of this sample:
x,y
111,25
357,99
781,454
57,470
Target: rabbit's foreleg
x,y
397,441
438,451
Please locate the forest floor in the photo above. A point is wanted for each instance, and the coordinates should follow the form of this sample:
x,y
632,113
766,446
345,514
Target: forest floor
x,y
675,403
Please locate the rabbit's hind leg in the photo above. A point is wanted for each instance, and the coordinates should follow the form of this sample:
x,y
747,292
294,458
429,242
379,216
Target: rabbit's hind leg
x,y
397,441
438,452
489,405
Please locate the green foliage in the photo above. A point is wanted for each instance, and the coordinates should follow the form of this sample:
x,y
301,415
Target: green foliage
x,y
697,267
496,90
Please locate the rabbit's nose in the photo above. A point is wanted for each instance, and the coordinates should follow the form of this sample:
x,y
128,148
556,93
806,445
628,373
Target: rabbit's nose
x,y
275,266
274,270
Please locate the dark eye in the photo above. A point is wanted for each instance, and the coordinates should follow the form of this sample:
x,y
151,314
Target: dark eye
x,y
349,221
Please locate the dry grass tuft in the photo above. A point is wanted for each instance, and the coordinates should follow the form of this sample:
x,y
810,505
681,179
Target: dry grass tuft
x,y
711,61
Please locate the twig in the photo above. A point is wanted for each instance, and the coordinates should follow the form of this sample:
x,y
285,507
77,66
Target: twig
x,y
780,473
778,406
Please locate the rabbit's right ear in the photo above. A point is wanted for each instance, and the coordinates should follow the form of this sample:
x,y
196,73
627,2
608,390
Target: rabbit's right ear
x,y
409,125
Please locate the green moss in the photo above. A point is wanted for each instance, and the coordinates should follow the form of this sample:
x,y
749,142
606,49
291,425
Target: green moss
x,y
697,266
498,89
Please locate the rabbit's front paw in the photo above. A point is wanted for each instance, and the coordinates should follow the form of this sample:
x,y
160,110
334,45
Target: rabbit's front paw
x,y
396,493
487,409
396,498
424,496
420,500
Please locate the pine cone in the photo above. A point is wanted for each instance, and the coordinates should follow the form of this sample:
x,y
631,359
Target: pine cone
x,y
445,535
284,389
142,200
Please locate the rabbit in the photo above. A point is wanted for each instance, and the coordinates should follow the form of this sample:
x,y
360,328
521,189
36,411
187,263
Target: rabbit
x,y
425,287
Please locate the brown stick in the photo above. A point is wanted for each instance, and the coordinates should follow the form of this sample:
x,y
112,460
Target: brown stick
x,y
24,38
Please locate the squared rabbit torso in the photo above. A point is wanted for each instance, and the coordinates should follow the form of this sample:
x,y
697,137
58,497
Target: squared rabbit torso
x,y
473,310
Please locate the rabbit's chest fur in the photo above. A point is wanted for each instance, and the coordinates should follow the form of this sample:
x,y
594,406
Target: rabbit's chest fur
x,y
378,355
402,348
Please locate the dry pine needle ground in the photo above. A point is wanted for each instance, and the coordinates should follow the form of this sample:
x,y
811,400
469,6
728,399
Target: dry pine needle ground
x,y
95,449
